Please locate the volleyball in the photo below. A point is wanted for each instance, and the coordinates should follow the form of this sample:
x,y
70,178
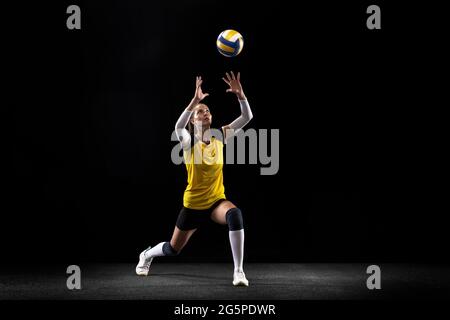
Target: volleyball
x,y
230,43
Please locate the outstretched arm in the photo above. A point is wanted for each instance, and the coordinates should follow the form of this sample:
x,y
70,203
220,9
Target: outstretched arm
x,y
235,87
180,127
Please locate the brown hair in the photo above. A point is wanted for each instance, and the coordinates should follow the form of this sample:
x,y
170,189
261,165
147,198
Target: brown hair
x,y
190,127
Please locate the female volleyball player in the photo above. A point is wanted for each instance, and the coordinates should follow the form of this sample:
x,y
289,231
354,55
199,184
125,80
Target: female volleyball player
x,y
204,197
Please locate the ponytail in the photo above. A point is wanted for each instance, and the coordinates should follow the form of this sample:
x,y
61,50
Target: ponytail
x,y
190,128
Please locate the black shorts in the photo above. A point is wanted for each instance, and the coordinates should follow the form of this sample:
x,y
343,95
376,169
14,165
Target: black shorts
x,y
189,219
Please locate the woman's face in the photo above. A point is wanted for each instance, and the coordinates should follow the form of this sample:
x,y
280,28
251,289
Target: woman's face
x,y
202,116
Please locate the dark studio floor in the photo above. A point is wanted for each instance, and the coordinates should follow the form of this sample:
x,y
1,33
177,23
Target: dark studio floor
x,y
179,281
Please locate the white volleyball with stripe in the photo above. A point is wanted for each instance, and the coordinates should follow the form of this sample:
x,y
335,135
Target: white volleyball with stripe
x,y
230,43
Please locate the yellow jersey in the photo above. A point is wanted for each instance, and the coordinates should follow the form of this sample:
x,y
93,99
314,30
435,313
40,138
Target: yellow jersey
x,y
204,164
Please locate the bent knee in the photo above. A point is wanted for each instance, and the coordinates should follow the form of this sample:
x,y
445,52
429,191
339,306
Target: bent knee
x,y
234,219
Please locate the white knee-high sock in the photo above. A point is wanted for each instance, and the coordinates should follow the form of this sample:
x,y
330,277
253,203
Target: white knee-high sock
x,y
156,251
237,247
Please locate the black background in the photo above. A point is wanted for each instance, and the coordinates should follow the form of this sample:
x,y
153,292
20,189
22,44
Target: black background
x,y
88,116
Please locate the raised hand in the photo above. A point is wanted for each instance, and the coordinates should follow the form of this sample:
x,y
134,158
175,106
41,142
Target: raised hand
x,y
234,84
199,95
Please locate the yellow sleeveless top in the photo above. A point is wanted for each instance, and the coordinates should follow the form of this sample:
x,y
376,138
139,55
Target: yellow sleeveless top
x,y
204,163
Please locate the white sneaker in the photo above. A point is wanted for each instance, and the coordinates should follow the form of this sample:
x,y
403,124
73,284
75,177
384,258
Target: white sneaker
x,y
239,279
143,266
